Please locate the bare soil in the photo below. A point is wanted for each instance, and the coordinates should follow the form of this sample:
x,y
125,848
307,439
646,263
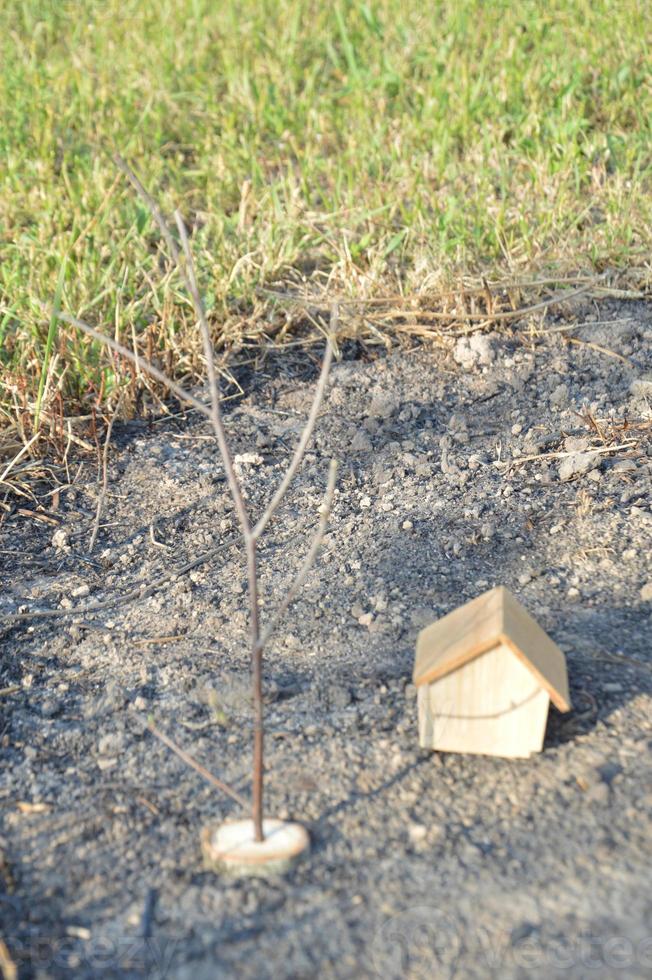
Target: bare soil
x,y
497,459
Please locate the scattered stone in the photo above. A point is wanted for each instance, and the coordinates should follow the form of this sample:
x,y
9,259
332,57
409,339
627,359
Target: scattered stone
x,y
559,397
383,405
624,466
60,539
472,351
458,429
417,832
248,459
576,444
612,687
361,443
348,684
104,762
81,591
576,465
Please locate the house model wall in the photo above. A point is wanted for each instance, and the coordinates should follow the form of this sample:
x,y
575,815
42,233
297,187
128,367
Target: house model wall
x,y
485,675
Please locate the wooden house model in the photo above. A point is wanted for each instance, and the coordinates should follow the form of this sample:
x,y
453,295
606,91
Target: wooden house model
x,y
485,675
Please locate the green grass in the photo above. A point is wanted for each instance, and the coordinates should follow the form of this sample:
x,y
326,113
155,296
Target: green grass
x,y
389,145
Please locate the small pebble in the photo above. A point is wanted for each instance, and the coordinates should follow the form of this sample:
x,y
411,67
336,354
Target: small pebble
x,y
417,832
361,443
60,539
576,465
105,763
624,466
646,592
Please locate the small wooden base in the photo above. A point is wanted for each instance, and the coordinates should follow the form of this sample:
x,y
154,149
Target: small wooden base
x,y
231,848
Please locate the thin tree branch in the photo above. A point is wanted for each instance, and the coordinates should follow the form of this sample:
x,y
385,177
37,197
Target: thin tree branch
x,y
139,362
299,452
308,561
187,272
103,489
197,766
118,600
157,214
186,268
257,691
216,412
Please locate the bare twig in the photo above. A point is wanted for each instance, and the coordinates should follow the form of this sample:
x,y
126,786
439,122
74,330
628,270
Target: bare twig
x,y
308,561
137,361
216,412
151,204
119,600
186,267
396,312
19,455
305,435
564,455
197,766
601,349
102,496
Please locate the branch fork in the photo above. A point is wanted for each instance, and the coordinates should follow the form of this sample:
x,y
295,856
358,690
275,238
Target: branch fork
x,y
251,532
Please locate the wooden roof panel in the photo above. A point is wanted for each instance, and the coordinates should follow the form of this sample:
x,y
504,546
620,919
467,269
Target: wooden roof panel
x,y
492,618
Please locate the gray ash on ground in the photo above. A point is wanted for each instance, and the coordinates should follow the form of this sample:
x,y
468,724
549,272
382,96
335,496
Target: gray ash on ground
x,y
462,467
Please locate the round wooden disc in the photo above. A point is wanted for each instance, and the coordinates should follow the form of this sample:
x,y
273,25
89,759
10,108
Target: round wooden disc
x,y
231,847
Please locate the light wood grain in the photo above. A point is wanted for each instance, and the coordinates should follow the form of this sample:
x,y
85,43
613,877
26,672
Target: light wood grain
x,y
458,637
492,706
496,617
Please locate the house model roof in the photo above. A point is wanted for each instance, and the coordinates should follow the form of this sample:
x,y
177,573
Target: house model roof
x,y
492,619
